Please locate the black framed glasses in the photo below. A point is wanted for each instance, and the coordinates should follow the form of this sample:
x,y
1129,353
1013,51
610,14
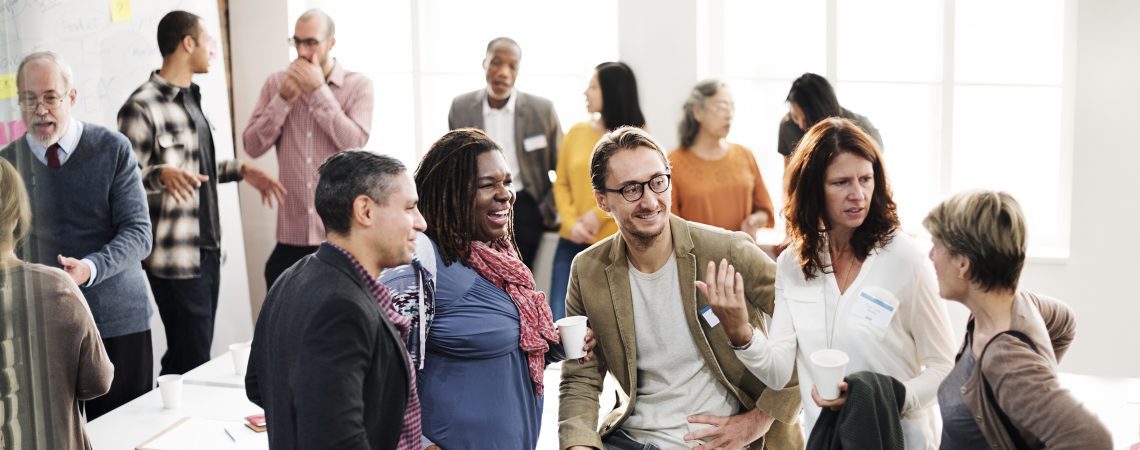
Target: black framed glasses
x,y
305,42
633,192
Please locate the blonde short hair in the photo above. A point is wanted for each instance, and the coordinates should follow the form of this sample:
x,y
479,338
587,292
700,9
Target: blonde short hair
x,y
988,228
15,212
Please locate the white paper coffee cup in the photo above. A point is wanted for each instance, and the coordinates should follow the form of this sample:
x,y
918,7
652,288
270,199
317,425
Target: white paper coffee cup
x,y
170,386
572,330
828,366
240,354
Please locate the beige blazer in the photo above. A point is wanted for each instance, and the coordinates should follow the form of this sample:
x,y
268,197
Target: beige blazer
x,y
599,289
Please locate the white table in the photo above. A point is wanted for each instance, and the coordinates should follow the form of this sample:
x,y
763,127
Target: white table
x,y
143,418
1115,400
216,372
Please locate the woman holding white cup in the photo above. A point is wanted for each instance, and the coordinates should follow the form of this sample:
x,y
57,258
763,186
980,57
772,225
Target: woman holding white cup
x,y
849,281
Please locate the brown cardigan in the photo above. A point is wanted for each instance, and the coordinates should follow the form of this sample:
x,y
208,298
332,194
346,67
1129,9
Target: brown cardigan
x,y
1025,382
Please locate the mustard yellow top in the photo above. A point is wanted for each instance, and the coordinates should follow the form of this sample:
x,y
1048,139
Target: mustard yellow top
x,y
573,193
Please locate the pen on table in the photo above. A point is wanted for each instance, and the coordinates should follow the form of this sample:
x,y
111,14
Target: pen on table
x,y
232,438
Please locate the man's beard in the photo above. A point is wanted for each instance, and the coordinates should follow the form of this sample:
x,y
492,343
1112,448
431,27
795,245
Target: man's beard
x,y
48,140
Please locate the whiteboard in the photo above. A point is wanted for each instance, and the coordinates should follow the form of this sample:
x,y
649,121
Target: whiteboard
x,y
110,59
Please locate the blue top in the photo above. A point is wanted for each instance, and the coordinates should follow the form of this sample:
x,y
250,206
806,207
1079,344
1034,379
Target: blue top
x,y
93,207
474,389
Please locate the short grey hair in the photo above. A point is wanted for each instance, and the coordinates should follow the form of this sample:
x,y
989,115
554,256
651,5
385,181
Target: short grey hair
x,y
330,31
64,69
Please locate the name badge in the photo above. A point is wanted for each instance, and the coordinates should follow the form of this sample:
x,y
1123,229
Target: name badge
x,y
535,142
875,307
710,316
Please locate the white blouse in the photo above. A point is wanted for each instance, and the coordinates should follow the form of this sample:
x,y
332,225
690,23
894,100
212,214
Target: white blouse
x,y
890,321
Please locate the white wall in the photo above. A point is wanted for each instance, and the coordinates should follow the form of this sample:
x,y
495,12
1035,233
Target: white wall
x,y
1097,280
661,41
258,33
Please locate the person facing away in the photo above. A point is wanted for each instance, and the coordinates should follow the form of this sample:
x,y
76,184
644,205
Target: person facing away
x,y
1003,391
174,143
328,361
526,127
810,100
680,380
53,356
90,218
611,96
716,182
309,111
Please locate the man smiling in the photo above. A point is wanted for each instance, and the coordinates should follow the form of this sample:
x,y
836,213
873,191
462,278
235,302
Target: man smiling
x,y
680,380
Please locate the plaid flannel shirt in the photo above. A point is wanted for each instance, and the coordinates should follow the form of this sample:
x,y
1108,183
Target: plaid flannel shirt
x,y
163,135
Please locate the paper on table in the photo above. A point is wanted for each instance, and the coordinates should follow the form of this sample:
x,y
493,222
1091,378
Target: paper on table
x,y
195,433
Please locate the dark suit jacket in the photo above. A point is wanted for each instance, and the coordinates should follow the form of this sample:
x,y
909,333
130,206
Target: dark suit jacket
x,y
534,116
328,367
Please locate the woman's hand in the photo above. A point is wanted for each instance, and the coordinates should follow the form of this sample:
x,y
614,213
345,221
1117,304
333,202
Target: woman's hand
x,y
754,223
589,347
724,289
834,405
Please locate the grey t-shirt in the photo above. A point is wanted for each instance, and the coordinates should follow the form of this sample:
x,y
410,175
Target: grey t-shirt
x,y
959,429
673,381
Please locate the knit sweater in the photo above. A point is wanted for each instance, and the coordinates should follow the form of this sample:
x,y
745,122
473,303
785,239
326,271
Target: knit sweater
x,y
93,207
52,356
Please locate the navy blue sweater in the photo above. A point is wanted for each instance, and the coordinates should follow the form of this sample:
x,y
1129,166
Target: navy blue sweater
x,y
93,207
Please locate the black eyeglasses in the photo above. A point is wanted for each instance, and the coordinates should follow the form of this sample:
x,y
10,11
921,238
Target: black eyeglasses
x,y
304,42
633,192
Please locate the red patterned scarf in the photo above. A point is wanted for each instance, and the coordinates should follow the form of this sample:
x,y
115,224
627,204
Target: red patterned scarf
x,y
499,264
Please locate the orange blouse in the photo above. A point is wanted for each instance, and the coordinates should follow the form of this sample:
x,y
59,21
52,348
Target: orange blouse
x,y
721,193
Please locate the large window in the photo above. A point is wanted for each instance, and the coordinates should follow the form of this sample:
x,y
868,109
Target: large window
x,y
966,93
422,53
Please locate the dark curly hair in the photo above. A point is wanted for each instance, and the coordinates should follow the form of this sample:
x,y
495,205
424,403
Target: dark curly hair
x,y
446,180
806,209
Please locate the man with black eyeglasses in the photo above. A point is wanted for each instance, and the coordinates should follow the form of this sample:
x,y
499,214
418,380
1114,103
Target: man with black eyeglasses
x,y
173,140
680,381
310,111
88,218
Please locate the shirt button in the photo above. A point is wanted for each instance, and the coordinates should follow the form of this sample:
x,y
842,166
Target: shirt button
x,y
963,389
310,211
309,135
309,184
308,160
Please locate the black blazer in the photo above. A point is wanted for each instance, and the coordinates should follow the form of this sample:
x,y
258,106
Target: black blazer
x,y
326,364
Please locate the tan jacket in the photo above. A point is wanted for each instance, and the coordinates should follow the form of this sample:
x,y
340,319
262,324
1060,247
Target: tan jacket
x,y
1025,382
599,289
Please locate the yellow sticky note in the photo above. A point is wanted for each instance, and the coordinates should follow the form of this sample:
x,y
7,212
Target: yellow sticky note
x,y
7,85
120,10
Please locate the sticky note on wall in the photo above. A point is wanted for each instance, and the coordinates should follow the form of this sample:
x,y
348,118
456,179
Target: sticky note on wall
x,y
7,85
120,10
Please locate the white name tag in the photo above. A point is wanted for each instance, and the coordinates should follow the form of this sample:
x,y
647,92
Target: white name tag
x,y
535,142
874,307
710,316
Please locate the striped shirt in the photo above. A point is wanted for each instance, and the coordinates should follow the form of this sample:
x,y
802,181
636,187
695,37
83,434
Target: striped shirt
x,y
337,116
412,432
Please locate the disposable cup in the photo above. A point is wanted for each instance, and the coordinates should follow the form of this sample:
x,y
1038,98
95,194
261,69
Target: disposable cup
x,y
828,366
572,330
240,354
170,386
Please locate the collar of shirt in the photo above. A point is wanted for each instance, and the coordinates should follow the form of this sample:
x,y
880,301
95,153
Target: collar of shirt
x,y
337,74
508,109
67,142
170,91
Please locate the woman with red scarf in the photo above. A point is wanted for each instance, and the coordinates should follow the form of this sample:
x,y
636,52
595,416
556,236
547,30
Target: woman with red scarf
x,y
485,334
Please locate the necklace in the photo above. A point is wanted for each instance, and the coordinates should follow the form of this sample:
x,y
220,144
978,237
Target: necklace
x,y
847,278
